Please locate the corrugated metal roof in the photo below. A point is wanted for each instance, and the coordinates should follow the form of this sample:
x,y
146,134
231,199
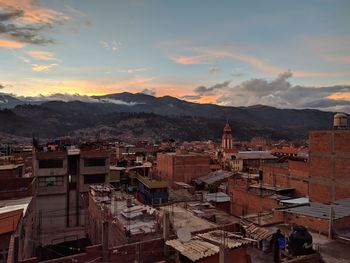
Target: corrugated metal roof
x,y
214,177
341,209
255,155
194,249
296,201
256,232
219,236
207,244
218,197
14,204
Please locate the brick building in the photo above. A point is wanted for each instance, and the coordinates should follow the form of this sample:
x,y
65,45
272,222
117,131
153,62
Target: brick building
x,y
329,165
294,174
182,166
11,170
250,197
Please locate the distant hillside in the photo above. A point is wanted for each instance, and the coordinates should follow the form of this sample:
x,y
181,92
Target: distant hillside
x,y
130,117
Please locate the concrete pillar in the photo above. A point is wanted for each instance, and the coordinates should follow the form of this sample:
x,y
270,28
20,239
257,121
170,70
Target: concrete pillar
x,y
166,225
15,249
166,231
330,226
105,241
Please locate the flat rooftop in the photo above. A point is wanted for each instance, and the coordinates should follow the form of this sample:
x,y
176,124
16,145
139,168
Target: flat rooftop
x,y
135,218
341,209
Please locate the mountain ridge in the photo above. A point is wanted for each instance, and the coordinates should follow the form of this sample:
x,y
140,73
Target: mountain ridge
x,y
127,116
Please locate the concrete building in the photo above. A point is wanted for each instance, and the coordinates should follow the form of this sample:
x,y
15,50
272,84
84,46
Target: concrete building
x,y
152,192
128,220
182,166
250,160
118,177
63,176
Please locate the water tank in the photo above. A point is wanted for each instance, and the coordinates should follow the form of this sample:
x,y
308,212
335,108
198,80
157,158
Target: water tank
x,y
340,121
300,242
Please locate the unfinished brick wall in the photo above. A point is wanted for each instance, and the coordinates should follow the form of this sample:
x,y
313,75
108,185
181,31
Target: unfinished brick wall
x,y
312,223
237,255
244,202
294,174
182,168
329,169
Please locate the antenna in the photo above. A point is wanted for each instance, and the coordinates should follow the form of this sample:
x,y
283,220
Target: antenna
x,y
184,234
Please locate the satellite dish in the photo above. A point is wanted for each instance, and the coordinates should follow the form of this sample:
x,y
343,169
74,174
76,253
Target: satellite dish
x,y
184,234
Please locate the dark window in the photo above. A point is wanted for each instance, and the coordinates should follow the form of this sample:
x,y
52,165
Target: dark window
x,y
51,181
94,162
50,163
94,178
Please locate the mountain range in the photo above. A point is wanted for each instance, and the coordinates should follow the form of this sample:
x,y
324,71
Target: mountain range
x,y
130,117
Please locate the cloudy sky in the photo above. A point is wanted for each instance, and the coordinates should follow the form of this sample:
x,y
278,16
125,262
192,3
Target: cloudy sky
x,y
293,54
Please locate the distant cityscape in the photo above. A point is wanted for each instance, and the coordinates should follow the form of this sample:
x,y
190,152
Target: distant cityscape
x,y
166,131
174,201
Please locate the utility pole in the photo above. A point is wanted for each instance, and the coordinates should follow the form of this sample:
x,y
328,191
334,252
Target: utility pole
x,y
105,240
223,258
330,227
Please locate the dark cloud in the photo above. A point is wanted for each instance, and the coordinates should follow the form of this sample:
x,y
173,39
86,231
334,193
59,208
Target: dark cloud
x,y
25,33
202,90
280,93
2,86
149,92
10,14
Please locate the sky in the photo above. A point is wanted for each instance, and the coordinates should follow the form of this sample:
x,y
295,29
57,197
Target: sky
x,y
288,54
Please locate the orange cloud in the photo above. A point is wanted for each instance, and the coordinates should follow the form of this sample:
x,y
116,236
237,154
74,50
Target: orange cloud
x,y
39,68
32,11
338,59
207,56
36,86
340,96
10,44
42,55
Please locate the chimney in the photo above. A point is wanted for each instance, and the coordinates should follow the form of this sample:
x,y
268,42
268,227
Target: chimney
x,y
340,121
129,202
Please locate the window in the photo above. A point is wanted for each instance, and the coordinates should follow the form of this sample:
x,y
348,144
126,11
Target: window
x,y
50,163
94,178
88,162
51,181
